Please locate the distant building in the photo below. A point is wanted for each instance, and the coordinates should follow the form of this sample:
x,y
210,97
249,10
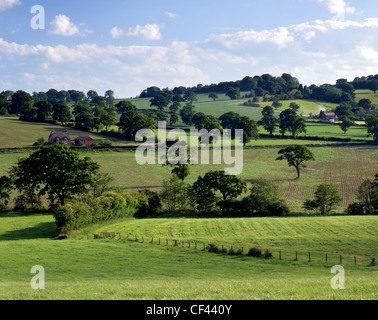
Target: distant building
x,y
87,141
60,137
64,137
372,113
329,116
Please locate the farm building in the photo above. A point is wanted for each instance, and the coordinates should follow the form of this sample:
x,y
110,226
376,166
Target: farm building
x,y
329,116
60,137
64,137
87,141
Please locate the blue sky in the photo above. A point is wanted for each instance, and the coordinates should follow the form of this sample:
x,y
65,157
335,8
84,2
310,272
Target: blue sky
x,y
127,46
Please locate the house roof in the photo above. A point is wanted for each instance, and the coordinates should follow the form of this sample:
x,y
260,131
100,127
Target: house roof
x,y
329,114
84,138
60,135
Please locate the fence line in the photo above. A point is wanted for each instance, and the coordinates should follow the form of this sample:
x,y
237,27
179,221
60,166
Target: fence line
x,y
203,246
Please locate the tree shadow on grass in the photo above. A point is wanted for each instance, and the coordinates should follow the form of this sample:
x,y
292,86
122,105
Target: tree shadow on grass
x,y
41,231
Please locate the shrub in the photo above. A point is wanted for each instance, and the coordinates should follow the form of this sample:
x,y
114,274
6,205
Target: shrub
x,y
213,248
149,203
355,209
3,206
255,252
84,211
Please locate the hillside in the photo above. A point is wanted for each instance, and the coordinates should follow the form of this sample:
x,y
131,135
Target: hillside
x,y
16,134
123,270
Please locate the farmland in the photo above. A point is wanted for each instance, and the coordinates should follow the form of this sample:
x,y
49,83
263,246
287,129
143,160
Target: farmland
x,y
123,270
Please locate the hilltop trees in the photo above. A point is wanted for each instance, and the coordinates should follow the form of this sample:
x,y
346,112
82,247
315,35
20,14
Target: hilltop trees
x,y
372,126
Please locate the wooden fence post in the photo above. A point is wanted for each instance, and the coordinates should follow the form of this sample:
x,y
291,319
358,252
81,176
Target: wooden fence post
x,y
326,258
296,256
280,255
341,259
355,260
309,257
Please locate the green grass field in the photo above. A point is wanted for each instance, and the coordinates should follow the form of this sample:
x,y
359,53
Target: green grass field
x,y
122,270
343,166
17,134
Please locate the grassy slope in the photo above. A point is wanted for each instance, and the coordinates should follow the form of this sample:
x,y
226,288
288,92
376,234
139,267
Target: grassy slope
x,y
15,133
113,269
344,167
346,235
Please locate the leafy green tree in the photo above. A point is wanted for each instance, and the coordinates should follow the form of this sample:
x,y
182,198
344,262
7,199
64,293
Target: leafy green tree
x,y
230,187
366,104
276,104
181,170
233,93
56,171
213,95
76,96
268,121
203,198
326,199
5,191
161,101
287,118
109,97
187,112
373,86
44,110
91,94
21,102
372,126
265,199
61,112
174,108
174,194
190,96
230,120
345,124
125,106
294,106
344,109
131,122
296,156
297,127
250,129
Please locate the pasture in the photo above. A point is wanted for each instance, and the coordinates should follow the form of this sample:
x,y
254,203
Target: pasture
x,y
124,270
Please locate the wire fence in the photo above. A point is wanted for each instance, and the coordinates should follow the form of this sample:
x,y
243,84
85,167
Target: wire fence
x,y
239,250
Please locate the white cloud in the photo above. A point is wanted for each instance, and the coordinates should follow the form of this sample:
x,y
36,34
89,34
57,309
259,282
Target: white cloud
x,y
7,4
279,36
170,14
63,26
116,32
339,8
149,32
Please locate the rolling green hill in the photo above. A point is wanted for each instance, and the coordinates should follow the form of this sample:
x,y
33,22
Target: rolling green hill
x,y
123,270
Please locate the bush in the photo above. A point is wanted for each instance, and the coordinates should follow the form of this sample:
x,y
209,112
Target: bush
x,y
88,210
355,209
255,252
3,206
149,204
213,248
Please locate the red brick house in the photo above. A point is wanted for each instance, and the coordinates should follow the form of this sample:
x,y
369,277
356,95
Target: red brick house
x,y
60,137
64,137
87,141
329,116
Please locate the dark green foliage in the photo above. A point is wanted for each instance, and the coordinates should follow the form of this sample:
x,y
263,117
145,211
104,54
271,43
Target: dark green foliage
x,y
255,252
265,199
326,199
56,171
372,126
149,204
76,214
5,192
296,156
268,254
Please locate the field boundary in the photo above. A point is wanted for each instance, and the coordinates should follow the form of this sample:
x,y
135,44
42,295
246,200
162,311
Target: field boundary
x,y
237,250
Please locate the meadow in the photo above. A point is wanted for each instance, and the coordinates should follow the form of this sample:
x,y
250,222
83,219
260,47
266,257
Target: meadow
x,y
122,270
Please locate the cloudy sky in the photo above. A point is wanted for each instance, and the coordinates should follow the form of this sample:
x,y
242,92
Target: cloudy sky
x,y
129,45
